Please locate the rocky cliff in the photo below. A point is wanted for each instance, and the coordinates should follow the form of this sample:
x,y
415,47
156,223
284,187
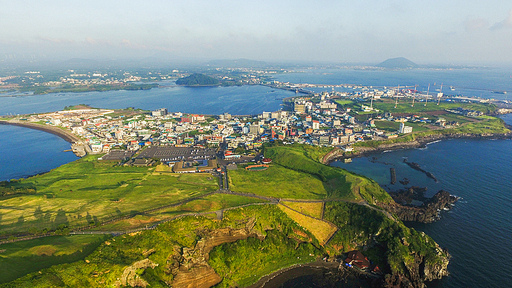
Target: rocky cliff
x,y
428,212
421,271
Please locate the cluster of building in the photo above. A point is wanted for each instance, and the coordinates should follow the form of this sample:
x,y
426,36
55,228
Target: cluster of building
x,y
313,119
92,79
316,123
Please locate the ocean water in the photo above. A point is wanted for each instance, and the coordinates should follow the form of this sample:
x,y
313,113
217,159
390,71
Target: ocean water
x,y
201,100
25,152
478,229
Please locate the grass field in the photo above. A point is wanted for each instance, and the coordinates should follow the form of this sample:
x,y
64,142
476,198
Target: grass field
x,y
311,209
320,229
338,183
88,191
394,126
344,102
209,203
20,258
278,182
483,125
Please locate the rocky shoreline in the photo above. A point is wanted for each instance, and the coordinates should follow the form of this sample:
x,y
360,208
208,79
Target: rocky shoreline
x,y
428,212
323,273
337,154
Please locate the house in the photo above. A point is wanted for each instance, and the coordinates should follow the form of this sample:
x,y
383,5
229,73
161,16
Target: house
x,y
356,258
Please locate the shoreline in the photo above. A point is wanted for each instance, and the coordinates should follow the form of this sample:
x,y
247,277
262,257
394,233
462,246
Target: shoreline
x,y
277,276
338,154
339,273
68,136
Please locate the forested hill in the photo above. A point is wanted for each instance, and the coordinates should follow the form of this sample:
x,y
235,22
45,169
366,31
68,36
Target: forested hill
x,y
400,63
197,79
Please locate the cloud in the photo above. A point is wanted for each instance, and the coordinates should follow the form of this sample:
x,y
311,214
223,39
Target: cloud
x,y
56,40
475,24
97,42
129,44
505,24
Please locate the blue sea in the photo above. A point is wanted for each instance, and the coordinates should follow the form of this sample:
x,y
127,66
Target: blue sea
x,y
201,100
477,231
25,152
28,152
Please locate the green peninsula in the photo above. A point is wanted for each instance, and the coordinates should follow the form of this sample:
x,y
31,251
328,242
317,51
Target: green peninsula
x,y
180,230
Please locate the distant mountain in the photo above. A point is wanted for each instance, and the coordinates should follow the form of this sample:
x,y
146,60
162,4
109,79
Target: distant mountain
x,y
237,63
399,62
197,79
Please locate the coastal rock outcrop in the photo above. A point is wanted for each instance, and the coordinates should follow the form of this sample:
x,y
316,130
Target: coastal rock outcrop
x,y
422,270
428,212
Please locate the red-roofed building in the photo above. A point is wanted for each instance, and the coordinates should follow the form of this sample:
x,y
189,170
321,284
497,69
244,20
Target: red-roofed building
x,y
376,269
356,258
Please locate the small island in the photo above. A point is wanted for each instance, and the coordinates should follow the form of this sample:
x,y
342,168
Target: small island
x,y
198,79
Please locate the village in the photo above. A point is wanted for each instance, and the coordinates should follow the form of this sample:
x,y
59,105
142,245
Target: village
x,y
197,142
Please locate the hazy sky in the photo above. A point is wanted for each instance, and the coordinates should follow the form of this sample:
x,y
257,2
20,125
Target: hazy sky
x,y
433,31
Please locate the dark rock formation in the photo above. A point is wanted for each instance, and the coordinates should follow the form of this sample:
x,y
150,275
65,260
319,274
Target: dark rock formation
x,y
420,271
428,212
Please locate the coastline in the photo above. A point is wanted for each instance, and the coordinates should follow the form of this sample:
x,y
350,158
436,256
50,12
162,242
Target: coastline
x,y
279,277
422,142
77,146
68,136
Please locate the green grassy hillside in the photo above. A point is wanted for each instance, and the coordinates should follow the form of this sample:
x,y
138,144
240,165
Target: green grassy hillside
x,y
338,183
88,192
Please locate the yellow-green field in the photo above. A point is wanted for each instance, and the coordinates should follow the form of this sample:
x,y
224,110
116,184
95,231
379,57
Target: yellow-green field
x,y
20,258
277,182
311,209
209,203
88,192
320,229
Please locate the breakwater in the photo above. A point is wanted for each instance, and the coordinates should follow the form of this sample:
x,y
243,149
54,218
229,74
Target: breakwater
x,y
393,175
417,167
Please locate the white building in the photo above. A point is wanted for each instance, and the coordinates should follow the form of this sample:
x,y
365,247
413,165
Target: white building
x,y
316,125
404,129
